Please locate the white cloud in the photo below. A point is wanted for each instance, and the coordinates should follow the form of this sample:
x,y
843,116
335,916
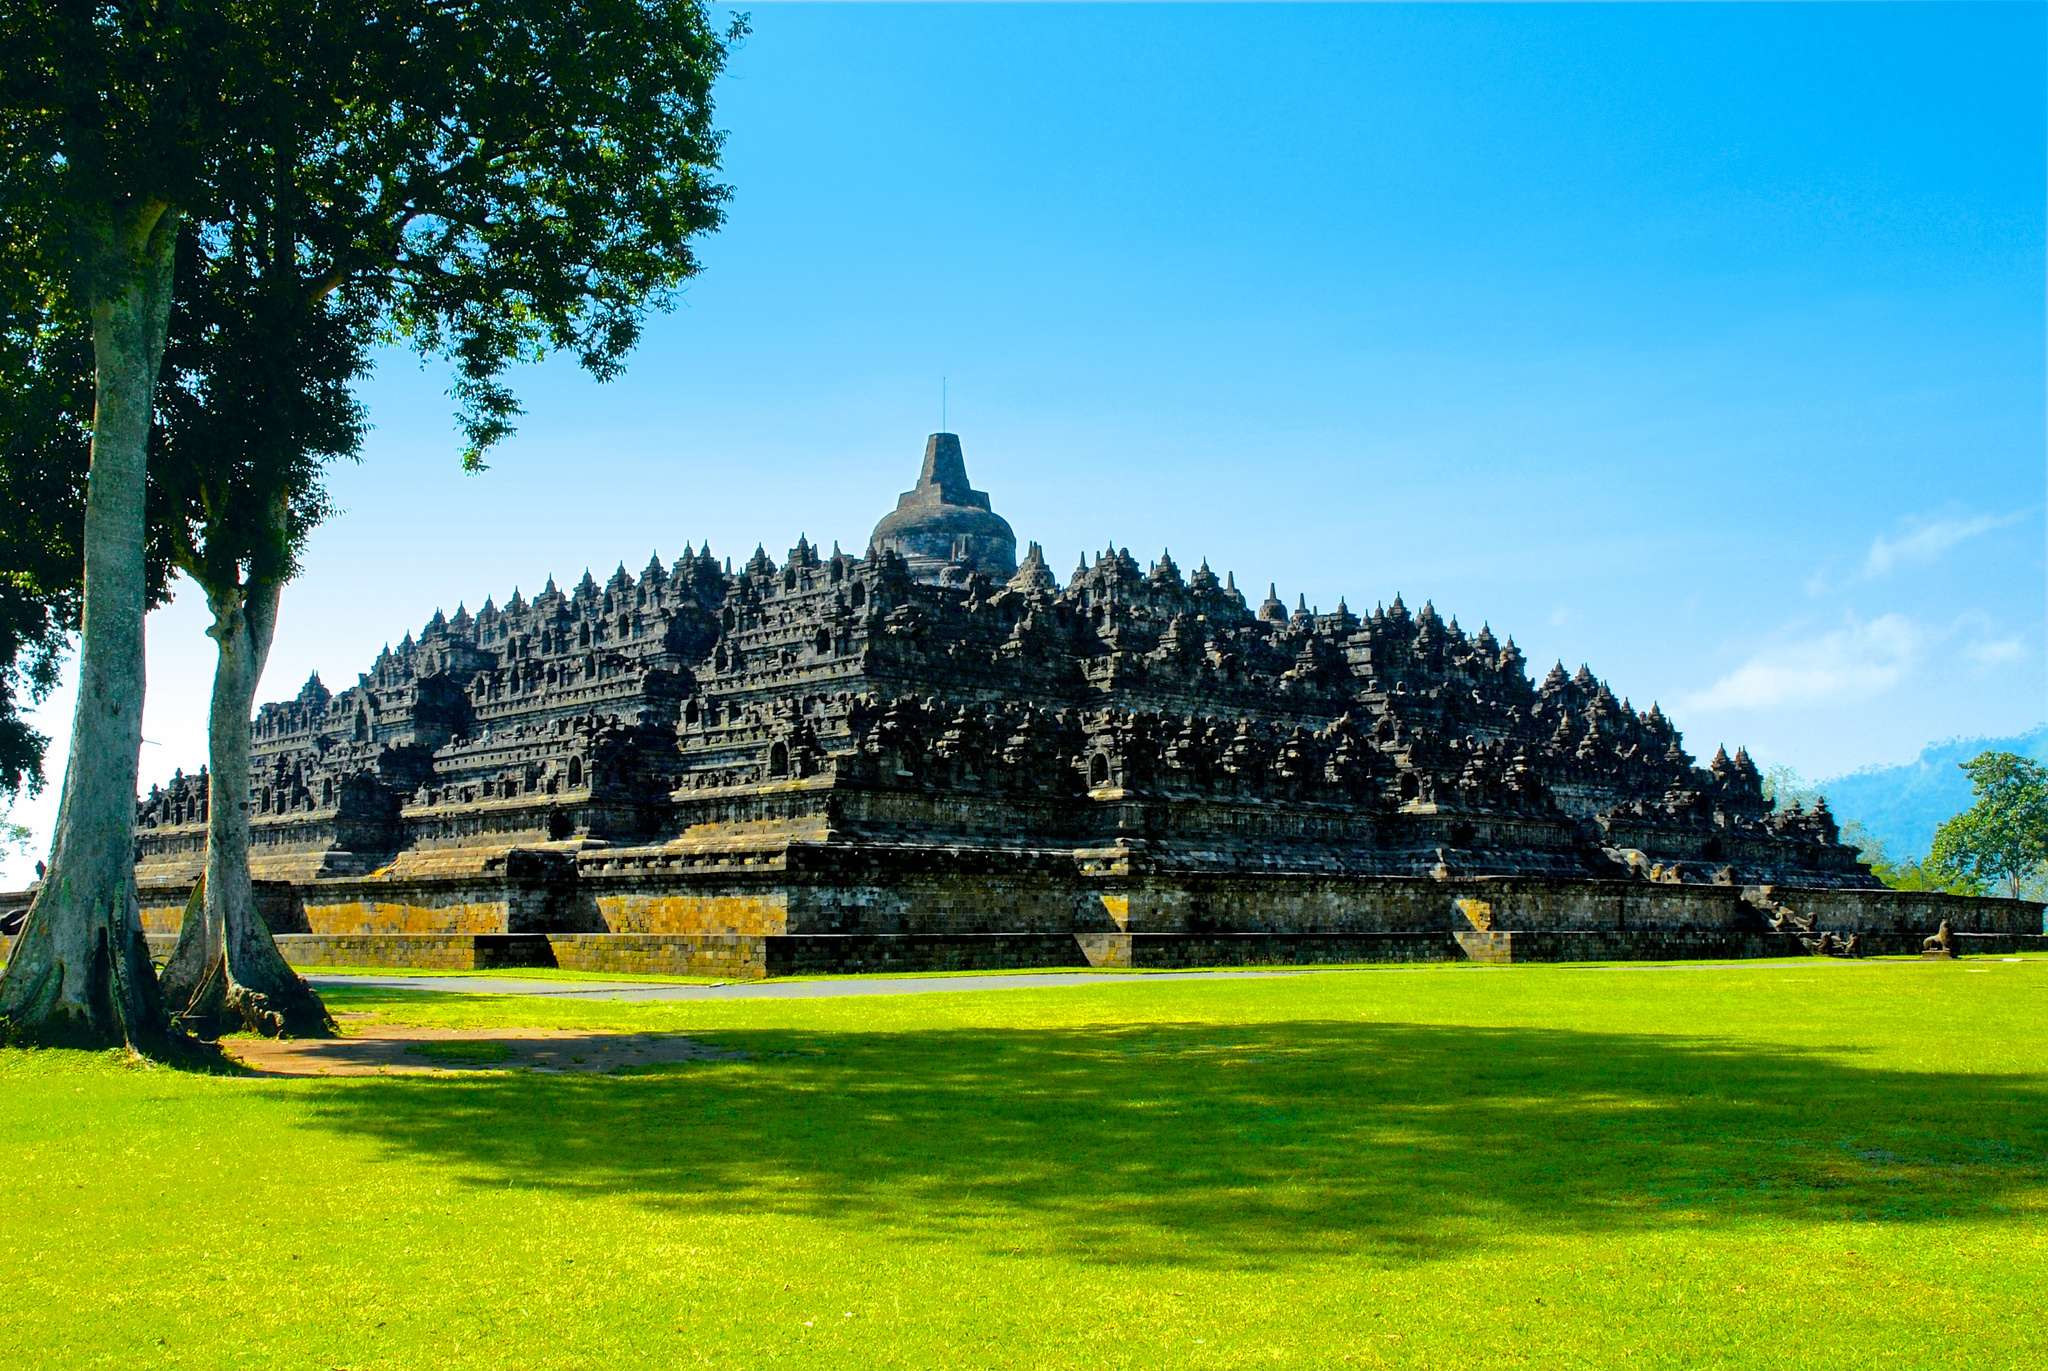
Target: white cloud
x,y
1928,539
1997,651
1856,661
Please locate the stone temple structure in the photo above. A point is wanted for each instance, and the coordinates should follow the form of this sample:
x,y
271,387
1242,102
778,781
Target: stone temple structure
x,y
937,753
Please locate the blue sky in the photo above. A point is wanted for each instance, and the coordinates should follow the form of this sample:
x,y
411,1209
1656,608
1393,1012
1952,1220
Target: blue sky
x,y
1703,344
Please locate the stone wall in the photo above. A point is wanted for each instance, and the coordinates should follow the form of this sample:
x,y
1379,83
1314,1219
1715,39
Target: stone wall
x,y
163,906
441,892
426,951
818,908
1904,911
1141,950
738,957
411,951
985,892
722,905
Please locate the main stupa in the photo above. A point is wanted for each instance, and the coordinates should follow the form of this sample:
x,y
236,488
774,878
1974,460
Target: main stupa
x,y
943,520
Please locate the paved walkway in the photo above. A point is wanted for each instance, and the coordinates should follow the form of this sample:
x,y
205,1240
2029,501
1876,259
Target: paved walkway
x,y
825,988
780,990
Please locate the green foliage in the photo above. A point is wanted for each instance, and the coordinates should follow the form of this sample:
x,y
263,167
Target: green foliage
x,y
46,404
108,113
492,180
14,837
1451,1166
484,181
2002,838
1907,802
1786,788
1911,875
110,118
1905,874
256,398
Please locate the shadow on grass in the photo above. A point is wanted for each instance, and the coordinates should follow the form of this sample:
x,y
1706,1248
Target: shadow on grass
x,y
1243,1145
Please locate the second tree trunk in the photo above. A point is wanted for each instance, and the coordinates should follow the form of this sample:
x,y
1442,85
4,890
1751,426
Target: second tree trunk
x,y
227,972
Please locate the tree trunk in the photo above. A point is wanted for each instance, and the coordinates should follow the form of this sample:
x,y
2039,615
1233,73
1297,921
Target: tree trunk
x,y
227,972
80,973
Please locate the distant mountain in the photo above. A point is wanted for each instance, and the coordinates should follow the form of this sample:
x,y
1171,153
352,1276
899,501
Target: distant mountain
x,y
1903,805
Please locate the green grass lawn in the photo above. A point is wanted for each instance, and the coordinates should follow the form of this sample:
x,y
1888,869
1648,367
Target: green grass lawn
x,y
1799,1163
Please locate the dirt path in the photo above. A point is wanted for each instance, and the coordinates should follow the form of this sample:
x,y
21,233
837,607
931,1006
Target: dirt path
x,y
385,1051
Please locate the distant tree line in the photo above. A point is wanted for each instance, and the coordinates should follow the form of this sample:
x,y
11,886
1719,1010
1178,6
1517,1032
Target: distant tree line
x,y
1999,845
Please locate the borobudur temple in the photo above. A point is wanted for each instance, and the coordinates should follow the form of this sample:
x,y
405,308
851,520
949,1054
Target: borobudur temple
x,y
937,754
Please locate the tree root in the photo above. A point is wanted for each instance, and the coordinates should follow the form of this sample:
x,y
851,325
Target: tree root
x,y
223,1004
241,983
86,988
299,1013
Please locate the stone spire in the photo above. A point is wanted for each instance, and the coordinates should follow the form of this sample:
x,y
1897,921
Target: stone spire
x,y
1166,572
945,470
1032,576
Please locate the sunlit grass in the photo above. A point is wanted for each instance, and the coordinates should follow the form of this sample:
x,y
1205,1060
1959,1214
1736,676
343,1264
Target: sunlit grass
x,y
1797,1163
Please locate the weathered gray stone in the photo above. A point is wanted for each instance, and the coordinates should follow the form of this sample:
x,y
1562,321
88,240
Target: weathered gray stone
x,y
931,740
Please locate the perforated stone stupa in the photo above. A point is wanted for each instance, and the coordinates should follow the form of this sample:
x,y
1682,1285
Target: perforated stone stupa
x,y
935,753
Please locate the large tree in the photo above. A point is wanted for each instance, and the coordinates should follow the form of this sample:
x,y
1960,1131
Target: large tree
x,y
2003,836
107,112
489,180
486,184
256,401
